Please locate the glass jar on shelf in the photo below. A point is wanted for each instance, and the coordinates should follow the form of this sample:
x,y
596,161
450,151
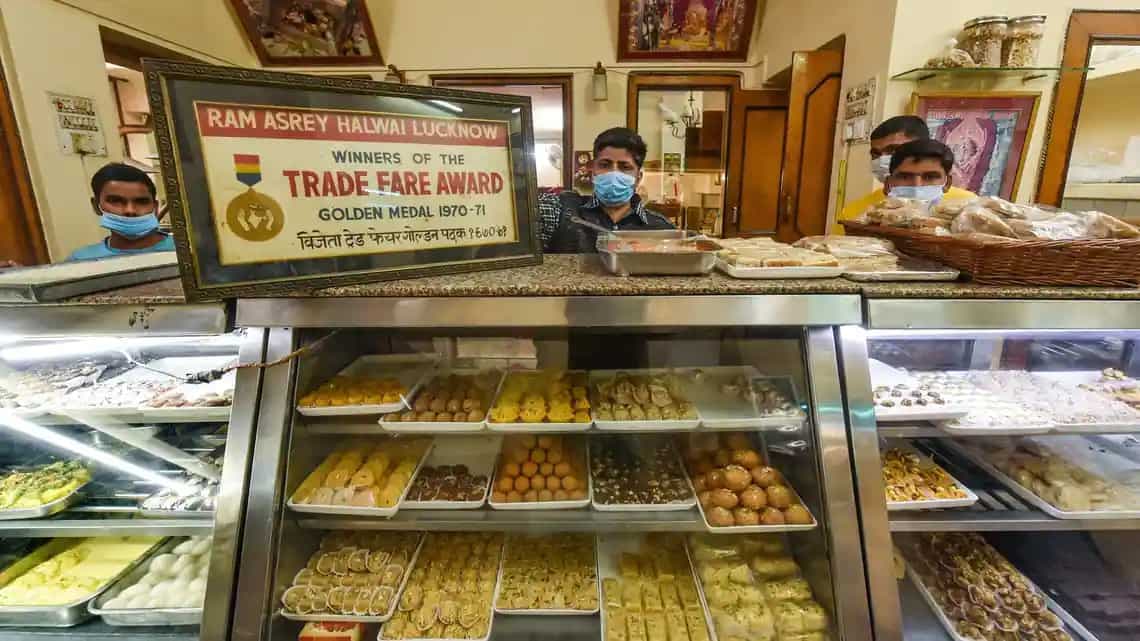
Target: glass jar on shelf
x,y
983,39
1023,40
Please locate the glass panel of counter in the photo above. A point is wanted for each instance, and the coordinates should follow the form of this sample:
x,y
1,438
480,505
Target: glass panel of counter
x,y
624,485
1011,473
112,454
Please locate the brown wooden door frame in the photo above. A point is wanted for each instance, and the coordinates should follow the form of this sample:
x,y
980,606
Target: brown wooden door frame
x,y
813,72
1086,28
744,101
564,80
19,213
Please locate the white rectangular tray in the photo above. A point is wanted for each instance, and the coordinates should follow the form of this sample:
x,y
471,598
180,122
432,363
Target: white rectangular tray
x,y
349,510
409,369
441,427
932,504
885,375
551,505
647,507
910,269
1028,496
531,428
717,415
542,612
479,454
352,618
765,273
640,426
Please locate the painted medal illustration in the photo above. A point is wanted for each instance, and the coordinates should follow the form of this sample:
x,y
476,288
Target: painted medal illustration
x,y
252,215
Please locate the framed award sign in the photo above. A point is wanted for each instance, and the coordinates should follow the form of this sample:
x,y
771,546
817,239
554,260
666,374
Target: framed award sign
x,y
283,183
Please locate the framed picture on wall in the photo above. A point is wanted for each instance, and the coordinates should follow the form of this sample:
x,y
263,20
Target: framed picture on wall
x,y
300,33
685,29
988,132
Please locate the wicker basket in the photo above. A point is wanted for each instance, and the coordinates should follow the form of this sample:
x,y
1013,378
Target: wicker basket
x,y
1097,263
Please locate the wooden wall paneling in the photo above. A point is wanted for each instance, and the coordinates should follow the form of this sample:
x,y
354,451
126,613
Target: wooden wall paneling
x,y
21,231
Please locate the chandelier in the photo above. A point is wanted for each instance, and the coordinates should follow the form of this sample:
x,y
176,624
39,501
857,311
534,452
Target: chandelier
x,y
689,118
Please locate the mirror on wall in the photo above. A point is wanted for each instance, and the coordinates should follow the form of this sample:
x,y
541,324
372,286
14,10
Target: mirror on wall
x,y
1104,168
685,131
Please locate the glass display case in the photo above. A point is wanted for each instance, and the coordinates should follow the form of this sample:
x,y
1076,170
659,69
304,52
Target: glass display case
x,y
124,431
624,468
998,467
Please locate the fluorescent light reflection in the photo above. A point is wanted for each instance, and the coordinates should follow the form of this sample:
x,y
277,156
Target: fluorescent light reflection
x,y
72,446
450,106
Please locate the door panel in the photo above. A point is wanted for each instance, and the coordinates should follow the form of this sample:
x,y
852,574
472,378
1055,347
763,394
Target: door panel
x,y
756,143
21,234
810,143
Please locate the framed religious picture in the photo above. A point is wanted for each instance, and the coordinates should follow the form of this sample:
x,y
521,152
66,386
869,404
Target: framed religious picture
x,y
584,169
280,183
299,33
988,132
685,29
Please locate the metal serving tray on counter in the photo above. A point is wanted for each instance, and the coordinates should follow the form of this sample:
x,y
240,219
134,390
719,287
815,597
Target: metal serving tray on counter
x,y
698,262
142,616
53,616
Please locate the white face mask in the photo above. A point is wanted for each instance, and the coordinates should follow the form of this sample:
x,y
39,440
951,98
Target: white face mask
x,y
881,168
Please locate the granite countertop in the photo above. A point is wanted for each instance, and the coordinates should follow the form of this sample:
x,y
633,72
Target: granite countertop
x,y
568,275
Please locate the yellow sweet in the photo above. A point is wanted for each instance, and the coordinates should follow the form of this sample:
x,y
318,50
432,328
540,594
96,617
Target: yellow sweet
x,y
76,572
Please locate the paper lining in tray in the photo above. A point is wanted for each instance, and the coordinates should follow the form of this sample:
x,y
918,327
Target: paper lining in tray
x,y
930,504
777,272
349,510
572,504
520,427
1033,499
597,376
62,615
409,369
142,616
701,386
948,625
352,618
678,506
540,611
479,454
443,427
610,548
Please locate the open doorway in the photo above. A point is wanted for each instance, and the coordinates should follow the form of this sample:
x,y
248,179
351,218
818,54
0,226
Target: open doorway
x,y
551,97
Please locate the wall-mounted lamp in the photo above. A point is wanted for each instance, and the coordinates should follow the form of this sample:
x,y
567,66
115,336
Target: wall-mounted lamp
x,y
601,86
395,75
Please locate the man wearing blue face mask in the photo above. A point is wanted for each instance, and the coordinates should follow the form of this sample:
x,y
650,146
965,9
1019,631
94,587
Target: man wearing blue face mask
x,y
920,170
124,198
619,154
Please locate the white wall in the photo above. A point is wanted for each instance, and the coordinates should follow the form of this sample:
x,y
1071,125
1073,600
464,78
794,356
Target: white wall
x,y
917,37
50,45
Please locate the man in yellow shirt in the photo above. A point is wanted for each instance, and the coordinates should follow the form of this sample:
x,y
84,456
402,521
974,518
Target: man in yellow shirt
x,y
885,139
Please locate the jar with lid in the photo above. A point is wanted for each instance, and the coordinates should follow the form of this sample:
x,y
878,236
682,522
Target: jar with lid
x,y
984,37
1023,41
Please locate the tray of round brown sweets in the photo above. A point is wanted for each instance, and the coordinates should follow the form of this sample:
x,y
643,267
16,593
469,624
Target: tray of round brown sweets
x,y
452,401
457,475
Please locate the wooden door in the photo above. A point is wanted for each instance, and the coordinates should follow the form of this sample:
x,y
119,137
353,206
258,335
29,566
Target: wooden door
x,y
755,159
781,143
21,233
809,143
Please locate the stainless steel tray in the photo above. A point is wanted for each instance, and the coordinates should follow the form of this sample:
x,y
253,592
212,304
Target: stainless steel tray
x,y
910,269
142,616
52,616
45,510
657,263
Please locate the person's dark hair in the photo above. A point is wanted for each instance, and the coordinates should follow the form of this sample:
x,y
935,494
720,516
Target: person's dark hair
x,y
924,149
622,138
912,126
122,173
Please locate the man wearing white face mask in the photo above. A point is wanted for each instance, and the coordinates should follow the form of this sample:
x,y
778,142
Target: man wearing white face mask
x,y
891,134
920,170
619,154
124,199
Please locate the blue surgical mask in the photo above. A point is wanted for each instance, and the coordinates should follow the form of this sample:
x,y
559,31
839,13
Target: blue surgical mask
x,y
614,188
928,193
128,226
881,168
